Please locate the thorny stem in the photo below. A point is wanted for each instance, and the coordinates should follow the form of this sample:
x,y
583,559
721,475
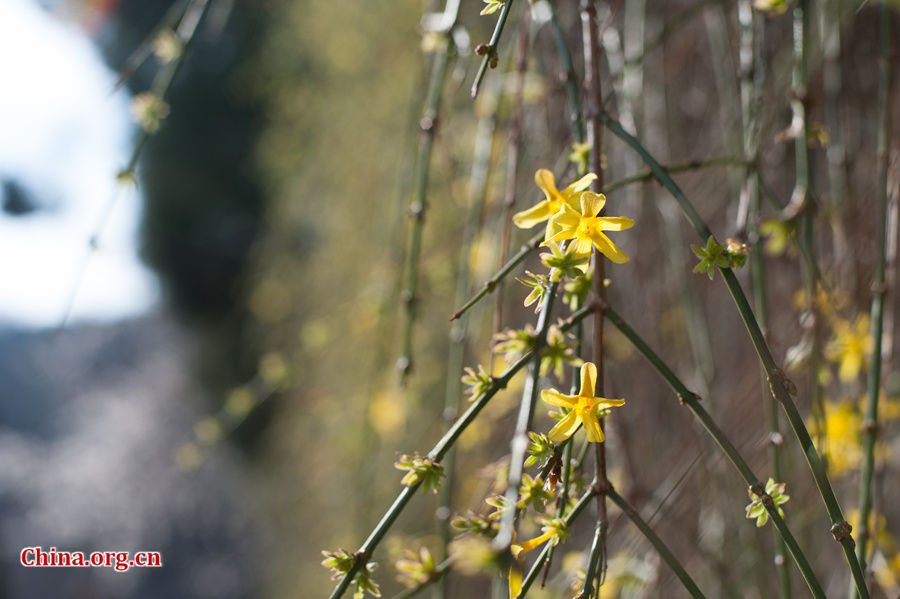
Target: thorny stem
x,y
438,452
870,424
690,399
417,207
780,386
512,160
490,51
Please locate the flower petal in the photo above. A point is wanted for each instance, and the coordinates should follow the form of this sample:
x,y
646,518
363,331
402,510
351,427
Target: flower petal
x,y
615,223
567,217
588,379
534,215
602,403
592,203
555,398
579,185
583,247
592,428
608,248
515,582
530,544
545,180
565,428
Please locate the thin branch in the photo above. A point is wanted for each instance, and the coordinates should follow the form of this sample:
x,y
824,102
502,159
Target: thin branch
x,y
418,205
489,50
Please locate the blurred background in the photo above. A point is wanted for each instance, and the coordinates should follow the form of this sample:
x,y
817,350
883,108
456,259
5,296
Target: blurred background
x,y
198,354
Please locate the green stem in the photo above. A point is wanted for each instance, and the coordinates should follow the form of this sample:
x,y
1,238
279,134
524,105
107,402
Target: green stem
x,y
491,284
778,383
661,548
427,124
490,51
870,425
690,399
675,168
569,76
514,142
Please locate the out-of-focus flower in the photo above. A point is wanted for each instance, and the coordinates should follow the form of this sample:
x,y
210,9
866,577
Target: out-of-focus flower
x,y
850,347
840,444
149,111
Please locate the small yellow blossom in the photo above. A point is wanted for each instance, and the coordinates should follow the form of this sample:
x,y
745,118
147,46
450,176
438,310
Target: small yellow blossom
x,y
555,200
851,347
586,228
584,408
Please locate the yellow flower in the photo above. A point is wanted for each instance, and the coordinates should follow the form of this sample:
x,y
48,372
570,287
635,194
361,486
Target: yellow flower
x,y
555,200
850,347
584,408
586,228
841,444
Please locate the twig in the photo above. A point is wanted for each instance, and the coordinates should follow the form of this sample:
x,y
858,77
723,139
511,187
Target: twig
x,y
489,51
417,207
512,156
491,284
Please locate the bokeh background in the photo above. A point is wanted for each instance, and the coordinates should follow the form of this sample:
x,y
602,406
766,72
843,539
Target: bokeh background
x,y
204,364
